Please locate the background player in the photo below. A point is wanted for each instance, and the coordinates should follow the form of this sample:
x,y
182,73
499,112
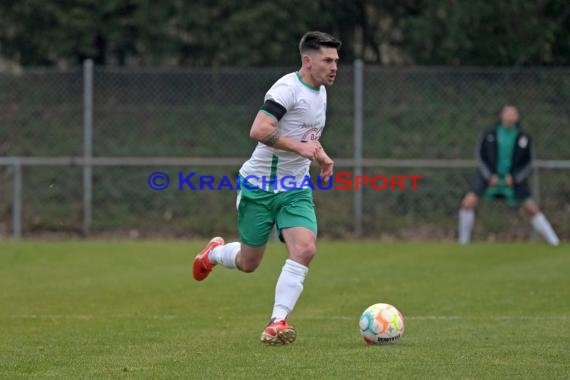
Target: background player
x,y
505,162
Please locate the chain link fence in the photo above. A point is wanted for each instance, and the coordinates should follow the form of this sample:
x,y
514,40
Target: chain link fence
x,y
183,121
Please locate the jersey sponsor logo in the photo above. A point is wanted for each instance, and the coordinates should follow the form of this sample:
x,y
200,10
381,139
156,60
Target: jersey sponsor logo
x,y
312,134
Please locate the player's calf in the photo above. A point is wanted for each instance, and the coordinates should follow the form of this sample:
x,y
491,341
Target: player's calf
x,y
249,258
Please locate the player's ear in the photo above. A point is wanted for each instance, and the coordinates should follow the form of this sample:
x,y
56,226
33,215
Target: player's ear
x,y
307,60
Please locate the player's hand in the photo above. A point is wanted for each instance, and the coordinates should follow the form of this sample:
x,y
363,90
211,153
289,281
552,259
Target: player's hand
x,y
326,164
509,180
326,171
493,180
309,150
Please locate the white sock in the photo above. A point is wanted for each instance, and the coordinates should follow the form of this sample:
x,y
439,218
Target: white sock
x,y
225,255
288,289
466,220
543,227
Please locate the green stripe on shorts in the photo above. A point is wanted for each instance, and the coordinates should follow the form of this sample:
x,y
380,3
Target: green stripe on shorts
x,y
273,174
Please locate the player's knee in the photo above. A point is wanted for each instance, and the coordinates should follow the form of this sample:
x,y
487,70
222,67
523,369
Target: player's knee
x,y
470,201
306,251
531,208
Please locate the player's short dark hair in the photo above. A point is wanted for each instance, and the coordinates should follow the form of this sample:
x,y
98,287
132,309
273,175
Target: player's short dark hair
x,y
508,105
313,41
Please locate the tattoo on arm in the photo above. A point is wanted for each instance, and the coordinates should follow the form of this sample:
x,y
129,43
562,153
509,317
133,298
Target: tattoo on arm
x,y
272,138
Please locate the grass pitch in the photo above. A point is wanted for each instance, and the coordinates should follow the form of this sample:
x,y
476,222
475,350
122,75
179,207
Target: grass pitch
x,y
131,310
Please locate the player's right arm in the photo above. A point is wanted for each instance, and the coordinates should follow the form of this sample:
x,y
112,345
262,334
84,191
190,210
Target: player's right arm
x,y
486,170
264,129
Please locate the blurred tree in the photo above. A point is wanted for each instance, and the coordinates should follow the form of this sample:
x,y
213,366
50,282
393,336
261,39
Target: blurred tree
x,y
508,32
47,32
258,33
253,32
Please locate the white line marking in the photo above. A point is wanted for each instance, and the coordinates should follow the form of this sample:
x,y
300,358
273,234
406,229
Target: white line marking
x,y
457,317
88,317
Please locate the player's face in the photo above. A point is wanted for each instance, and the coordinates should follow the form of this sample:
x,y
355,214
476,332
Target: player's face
x,y
324,65
509,116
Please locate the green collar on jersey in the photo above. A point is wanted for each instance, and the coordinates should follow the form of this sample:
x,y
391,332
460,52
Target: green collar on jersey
x,y
305,83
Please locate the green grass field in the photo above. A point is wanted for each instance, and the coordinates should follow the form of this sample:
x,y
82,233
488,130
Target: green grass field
x,y
131,310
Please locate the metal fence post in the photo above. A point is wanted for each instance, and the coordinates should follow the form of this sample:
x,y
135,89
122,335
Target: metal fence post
x,y
536,185
536,196
358,130
87,144
17,201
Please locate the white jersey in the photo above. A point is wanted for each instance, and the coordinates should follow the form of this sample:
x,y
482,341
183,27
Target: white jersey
x,y
304,121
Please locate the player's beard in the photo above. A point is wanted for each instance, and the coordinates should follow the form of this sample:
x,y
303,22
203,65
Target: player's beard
x,y
325,80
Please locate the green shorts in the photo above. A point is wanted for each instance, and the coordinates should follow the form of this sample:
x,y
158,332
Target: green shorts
x,y
504,192
513,196
259,210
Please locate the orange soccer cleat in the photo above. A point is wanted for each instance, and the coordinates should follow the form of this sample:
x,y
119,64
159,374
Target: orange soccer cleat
x,y
278,333
202,265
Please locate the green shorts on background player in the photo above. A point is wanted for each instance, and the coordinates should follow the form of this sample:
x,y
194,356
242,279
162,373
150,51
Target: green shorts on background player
x,y
504,156
288,128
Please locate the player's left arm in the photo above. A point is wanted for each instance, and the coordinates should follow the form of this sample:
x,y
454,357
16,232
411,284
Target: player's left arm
x,y
325,163
524,167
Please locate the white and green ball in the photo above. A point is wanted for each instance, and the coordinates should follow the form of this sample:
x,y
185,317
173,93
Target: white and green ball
x,y
381,323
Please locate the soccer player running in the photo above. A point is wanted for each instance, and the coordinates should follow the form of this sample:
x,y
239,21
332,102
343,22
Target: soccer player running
x,y
287,128
505,163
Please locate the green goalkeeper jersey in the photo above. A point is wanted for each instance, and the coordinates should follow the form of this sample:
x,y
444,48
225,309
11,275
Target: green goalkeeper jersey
x,y
506,139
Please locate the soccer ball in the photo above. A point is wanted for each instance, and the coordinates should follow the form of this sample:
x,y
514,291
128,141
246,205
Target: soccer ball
x,y
381,323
